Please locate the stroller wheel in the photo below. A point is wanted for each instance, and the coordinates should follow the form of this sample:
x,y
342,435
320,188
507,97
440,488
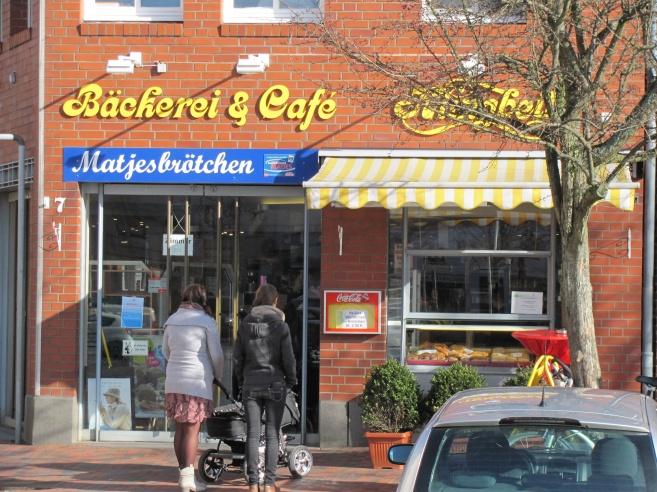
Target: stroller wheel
x,y
300,461
210,466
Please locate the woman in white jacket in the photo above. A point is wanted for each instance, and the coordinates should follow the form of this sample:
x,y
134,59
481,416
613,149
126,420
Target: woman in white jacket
x,y
194,358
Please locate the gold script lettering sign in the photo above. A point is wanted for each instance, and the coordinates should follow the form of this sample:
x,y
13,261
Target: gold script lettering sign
x,y
437,110
273,103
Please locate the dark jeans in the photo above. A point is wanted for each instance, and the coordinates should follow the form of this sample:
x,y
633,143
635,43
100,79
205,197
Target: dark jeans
x,y
272,402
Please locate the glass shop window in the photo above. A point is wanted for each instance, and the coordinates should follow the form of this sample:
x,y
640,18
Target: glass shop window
x,y
473,278
264,11
133,10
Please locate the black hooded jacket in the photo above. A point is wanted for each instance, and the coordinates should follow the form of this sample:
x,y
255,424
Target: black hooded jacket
x,y
263,351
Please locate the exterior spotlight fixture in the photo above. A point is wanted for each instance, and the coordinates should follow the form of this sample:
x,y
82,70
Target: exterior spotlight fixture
x,y
252,64
120,66
470,65
127,64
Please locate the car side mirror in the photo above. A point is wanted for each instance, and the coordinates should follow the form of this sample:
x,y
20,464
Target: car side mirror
x,y
399,453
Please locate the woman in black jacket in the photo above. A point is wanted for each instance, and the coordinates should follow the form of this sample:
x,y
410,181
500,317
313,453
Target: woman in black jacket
x,y
265,369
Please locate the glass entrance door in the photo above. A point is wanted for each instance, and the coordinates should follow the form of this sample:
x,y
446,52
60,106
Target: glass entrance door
x,y
9,370
153,247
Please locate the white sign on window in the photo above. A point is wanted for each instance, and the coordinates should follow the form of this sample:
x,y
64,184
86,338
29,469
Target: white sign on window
x,y
134,348
156,286
177,245
353,319
526,302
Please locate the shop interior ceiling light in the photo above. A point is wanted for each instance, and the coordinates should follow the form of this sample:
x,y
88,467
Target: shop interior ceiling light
x,y
252,64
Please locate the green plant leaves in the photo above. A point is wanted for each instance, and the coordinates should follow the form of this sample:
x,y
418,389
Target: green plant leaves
x,y
390,401
447,382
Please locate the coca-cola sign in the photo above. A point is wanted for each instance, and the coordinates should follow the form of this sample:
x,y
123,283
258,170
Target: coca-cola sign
x,y
352,311
353,297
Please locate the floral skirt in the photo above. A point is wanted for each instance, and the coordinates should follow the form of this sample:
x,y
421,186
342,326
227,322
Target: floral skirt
x,y
187,408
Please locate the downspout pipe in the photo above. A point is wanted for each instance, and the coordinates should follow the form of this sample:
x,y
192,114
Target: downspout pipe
x,y
647,355
20,285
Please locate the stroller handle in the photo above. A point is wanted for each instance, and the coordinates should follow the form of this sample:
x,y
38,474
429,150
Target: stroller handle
x,y
225,390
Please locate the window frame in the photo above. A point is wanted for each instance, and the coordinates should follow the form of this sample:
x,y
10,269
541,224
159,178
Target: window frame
x,y
113,12
265,15
430,15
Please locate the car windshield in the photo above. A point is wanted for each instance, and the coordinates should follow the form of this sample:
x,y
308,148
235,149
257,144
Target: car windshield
x,y
537,458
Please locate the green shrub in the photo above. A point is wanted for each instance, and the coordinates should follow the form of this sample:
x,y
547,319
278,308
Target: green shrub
x,y
521,377
391,398
447,382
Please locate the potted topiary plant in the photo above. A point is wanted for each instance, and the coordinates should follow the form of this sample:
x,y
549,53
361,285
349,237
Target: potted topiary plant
x,y
390,409
447,382
521,377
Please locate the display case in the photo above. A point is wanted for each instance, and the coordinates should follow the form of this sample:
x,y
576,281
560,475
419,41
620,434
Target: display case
x,y
470,279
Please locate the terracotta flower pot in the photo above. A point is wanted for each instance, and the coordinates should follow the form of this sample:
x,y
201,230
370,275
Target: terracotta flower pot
x,y
380,442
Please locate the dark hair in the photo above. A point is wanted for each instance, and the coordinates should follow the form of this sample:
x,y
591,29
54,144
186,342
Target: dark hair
x,y
265,295
195,293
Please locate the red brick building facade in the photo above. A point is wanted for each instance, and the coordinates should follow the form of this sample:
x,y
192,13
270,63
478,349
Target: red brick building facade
x,y
63,47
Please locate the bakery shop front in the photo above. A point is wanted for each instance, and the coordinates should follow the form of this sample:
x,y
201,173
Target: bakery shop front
x,y
471,249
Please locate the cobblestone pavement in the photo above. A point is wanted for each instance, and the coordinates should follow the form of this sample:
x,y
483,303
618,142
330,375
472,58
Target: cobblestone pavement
x,y
152,467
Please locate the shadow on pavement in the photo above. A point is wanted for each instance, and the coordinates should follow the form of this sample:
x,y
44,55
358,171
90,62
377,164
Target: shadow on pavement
x,y
347,458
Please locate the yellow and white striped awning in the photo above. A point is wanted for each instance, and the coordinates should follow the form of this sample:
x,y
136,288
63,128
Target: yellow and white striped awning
x,y
390,182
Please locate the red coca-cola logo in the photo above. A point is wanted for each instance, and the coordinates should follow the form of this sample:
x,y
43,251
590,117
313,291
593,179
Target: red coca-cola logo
x,y
352,297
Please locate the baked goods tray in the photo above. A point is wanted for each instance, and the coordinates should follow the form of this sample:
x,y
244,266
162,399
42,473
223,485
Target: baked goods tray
x,y
414,362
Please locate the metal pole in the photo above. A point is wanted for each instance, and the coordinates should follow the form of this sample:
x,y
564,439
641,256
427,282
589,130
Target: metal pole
x,y
649,219
304,324
20,290
99,306
20,285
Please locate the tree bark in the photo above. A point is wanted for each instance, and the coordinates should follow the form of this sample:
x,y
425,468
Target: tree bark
x,y
577,305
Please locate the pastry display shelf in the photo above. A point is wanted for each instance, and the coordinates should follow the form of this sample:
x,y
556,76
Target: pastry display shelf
x,y
471,327
478,363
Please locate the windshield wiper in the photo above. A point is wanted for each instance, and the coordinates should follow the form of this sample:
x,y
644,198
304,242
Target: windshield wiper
x,y
540,421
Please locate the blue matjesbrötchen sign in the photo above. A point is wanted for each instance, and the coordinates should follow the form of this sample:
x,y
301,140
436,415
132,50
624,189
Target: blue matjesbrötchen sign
x,y
189,166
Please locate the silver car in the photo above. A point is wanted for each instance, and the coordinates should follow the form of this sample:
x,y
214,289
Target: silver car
x,y
535,439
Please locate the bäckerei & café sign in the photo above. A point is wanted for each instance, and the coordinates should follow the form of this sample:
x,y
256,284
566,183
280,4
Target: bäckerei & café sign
x,y
275,102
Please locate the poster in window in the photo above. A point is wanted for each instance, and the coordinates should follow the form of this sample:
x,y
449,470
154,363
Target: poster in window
x,y
115,404
352,311
132,312
150,372
526,302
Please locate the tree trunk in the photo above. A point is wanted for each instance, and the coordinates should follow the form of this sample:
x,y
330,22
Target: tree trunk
x,y
577,305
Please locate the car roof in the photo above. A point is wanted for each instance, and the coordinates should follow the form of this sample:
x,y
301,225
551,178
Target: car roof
x,y
590,407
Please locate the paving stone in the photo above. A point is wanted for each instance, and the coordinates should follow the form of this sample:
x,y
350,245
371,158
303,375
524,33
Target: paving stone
x,y
152,467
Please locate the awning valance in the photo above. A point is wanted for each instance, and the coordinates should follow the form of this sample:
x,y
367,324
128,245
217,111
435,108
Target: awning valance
x,y
394,182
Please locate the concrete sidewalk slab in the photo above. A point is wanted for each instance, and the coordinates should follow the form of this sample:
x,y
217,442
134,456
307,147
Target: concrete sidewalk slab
x,y
152,467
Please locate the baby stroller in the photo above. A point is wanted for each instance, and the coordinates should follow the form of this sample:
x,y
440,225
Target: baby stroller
x,y
228,424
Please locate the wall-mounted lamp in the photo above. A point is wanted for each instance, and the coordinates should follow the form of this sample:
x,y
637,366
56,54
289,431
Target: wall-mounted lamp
x,y
471,66
127,64
252,64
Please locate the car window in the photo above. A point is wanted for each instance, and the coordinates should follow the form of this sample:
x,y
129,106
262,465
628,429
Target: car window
x,y
536,458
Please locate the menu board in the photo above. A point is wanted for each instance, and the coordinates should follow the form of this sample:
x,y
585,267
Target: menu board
x,y
352,311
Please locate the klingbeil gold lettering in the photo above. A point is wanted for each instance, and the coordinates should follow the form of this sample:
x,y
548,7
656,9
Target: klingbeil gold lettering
x,y
436,110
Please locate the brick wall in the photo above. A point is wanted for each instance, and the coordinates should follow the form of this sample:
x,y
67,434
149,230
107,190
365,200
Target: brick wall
x,y
363,265
616,276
